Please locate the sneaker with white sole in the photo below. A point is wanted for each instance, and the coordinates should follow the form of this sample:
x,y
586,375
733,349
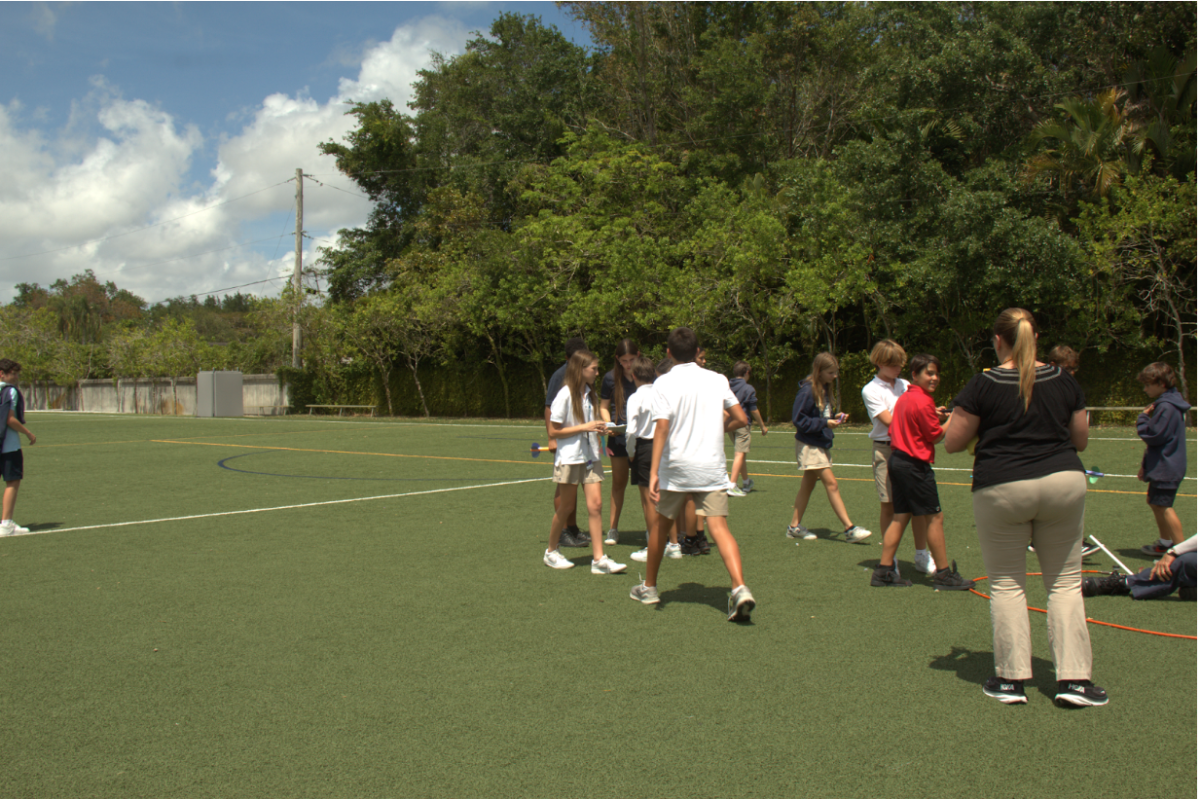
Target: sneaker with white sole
x,y
1081,693
612,537
12,528
748,485
950,580
646,594
856,533
1010,692
606,565
556,560
923,560
641,555
734,491
673,551
800,531
741,602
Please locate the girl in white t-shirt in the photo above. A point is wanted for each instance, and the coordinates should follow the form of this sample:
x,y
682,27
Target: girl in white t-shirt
x,y
576,428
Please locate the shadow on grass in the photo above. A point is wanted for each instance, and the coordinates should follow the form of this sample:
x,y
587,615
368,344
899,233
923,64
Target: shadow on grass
x,y
908,570
37,528
698,594
977,667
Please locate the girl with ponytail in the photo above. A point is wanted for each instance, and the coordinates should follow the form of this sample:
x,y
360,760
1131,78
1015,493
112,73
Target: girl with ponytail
x,y
1028,487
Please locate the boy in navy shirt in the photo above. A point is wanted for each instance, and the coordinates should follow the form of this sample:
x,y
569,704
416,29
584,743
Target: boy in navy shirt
x,y
1163,426
748,398
12,424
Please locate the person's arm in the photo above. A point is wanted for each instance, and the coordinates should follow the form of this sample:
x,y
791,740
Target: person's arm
x,y
558,431
1079,430
758,418
961,427
876,407
805,416
14,424
661,429
735,418
934,429
1156,428
553,444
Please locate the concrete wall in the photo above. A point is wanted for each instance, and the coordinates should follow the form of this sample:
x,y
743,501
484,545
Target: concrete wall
x,y
154,396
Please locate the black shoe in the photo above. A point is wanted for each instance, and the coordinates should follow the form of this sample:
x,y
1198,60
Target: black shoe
x,y
886,576
1109,585
1088,548
574,537
950,580
702,542
1010,692
1080,693
690,545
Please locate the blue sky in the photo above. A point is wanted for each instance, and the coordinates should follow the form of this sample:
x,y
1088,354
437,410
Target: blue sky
x,y
153,142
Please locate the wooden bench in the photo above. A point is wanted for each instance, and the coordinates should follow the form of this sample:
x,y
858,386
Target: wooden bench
x,y
340,408
283,408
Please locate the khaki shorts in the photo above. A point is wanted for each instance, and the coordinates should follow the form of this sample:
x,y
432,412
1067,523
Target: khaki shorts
x,y
740,439
708,503
576,473
809,458
879,464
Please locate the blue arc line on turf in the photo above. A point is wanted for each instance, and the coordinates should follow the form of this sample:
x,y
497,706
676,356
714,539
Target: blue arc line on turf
x,y
222,463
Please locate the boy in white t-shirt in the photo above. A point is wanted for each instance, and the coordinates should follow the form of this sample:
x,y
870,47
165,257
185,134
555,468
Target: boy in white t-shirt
x,y
688,460
880,396
639,443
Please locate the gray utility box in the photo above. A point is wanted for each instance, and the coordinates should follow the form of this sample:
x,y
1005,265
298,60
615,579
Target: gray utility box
x,y
219,394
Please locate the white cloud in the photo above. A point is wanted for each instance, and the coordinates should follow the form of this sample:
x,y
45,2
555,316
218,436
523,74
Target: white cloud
x,y
80,198
44,20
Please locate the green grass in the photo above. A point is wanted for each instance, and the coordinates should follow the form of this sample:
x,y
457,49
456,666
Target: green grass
x,y
415,645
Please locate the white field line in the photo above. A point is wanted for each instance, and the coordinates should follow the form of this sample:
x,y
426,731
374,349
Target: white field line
x,y
284,507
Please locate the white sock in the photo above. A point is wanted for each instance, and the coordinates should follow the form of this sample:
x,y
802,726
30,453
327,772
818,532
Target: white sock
x,y
1166,542
922,551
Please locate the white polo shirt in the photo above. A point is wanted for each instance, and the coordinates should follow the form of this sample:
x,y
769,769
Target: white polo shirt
x,y
693,400
878,396
639,418
580,448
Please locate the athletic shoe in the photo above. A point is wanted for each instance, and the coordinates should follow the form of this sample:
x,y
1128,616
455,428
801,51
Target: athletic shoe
x,y
641,555
1157,548
646,594
741,602
612,537
800,531
606,565
1010,692
12,528
570,538
1031,549
1088,548
924,563
555,560
582,536
856,533
734,491
951,580
887,576
748,485
673,551
1080,693
1110,585
690,546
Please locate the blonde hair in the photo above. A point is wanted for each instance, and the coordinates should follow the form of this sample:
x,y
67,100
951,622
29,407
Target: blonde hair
x,y
1017,328
581,360
888,353
822,362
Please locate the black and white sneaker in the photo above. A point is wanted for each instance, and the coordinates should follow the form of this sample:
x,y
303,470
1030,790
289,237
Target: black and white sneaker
x,y
1080,693
574,537
1113,584
1010,692
887,576
950,580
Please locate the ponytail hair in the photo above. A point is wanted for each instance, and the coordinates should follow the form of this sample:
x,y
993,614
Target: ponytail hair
x,y
822,362
581,360
1018,330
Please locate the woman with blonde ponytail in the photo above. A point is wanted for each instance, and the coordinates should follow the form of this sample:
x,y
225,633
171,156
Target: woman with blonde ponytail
x,y
1028,487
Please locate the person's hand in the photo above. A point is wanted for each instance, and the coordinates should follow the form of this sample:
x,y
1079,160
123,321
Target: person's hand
x,y
1149,409
32,439
653,490
1142,473
764,430
553,445
598,426
942,414
609,451
1162,569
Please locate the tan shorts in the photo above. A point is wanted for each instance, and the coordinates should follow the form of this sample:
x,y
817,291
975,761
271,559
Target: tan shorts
x,y
740,439
576,473
879,459
809,458
708,503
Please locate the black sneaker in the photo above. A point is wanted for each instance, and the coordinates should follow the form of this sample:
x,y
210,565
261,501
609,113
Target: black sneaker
x,y
1080,693
690,545
886,576
1010,692
950,580
1088,548
1109,585
574,537
702,542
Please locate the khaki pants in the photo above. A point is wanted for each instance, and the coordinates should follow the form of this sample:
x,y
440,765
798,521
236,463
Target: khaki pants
x,y
1047,512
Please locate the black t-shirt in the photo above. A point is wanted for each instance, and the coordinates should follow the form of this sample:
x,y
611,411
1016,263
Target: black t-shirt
x,y
608,387
1015,444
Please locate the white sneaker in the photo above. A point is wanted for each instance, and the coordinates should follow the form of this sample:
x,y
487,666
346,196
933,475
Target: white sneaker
x,y
741,602
612,537
734,491
748,485
673,551
923,560
12,528
606,566
641,555
800,531
555,560
646,594
856,533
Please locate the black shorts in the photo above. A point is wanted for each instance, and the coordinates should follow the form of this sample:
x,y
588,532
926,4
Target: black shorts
x,y
639,464
914,489
1161,496
12,466
617,445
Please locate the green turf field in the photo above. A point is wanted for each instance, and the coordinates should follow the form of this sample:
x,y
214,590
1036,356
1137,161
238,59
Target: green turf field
x,y
357,608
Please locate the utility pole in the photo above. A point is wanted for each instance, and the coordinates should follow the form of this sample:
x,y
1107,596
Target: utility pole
x,y
296,272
